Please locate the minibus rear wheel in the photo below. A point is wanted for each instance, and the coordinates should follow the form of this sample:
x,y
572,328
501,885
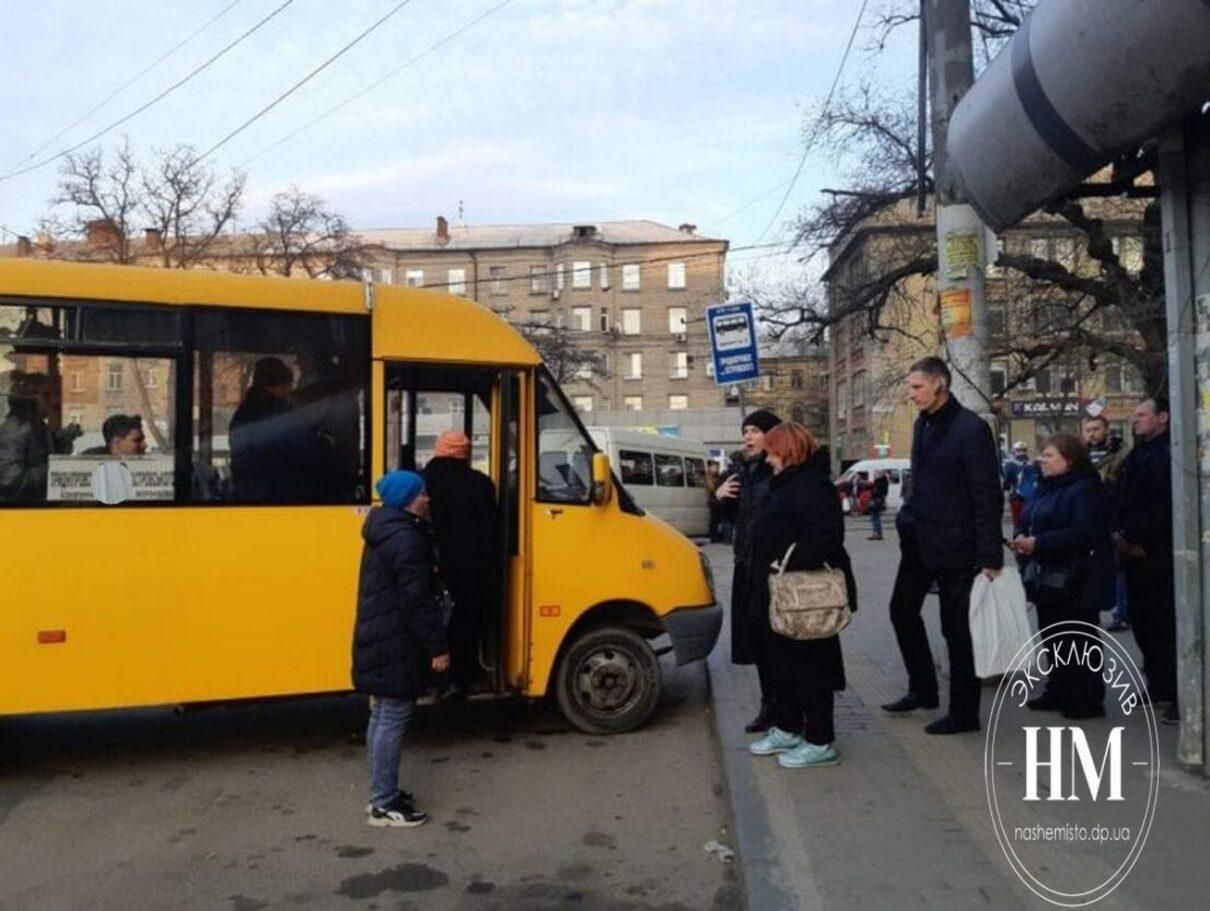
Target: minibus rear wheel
x,y
608,681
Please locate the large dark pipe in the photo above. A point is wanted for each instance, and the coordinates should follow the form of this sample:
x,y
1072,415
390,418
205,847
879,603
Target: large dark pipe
x,y
1081,82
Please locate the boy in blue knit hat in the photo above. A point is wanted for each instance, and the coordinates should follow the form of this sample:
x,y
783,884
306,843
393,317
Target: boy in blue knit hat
x,y
399,634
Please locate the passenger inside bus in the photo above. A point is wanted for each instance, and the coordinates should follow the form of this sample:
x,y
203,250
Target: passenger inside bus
x,y
123,435
27,438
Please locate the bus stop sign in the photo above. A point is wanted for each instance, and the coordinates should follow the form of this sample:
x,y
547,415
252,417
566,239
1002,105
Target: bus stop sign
x,y
733,343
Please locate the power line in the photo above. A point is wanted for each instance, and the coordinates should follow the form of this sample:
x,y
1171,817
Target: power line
x,y
815,130
307,78
139,110
373,85
131,81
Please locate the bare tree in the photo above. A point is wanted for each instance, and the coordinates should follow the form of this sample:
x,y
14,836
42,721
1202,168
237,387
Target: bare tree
x,y
301,233
1069,310
108,199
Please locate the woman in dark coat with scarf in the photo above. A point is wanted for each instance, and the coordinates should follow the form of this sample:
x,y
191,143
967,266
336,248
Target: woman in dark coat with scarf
x,y
802,509
1063,541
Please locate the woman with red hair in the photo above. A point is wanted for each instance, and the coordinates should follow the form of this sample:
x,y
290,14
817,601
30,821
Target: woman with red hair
x,y
801,510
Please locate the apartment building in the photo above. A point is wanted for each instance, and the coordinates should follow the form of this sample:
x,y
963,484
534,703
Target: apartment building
x,y
794,385
869,414
633,291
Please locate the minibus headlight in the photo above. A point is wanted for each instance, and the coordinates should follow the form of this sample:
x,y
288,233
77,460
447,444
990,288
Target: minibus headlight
x,y
708,572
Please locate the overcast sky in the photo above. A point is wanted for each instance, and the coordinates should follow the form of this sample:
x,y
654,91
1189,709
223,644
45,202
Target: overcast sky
x,y
547,110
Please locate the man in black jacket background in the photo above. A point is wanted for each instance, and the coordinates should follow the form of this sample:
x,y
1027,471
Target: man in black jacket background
x,y
949,531
1143,539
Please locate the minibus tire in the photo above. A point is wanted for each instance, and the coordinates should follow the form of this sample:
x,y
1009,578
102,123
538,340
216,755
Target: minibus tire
x,y
608,681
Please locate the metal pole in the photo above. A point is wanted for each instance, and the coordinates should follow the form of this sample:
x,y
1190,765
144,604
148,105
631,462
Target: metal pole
x,y
922,110
1184,178
960,233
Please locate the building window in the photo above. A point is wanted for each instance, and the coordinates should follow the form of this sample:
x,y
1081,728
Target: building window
x,y
151,378
113,376
581,275
497,275
583,403
795,379
1042,381
996,324
386,276
537,279
798,414
413,278
604,276
710,368
766,382
999,376
77,382
680,365
539,317
630,277
558,276
676,276
634,365
632,403
456,281
858,399
842,400
677,318
632,321
581,319
604,319
584,372
678,402
560,318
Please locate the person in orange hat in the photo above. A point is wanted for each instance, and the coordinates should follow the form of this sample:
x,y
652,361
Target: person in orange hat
x,y
464,520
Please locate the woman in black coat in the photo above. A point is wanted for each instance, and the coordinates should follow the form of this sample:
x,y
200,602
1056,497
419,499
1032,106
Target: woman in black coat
x,y
802,509
1063,542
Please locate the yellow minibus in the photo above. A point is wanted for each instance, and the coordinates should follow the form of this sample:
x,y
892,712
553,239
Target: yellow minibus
x,y
216,557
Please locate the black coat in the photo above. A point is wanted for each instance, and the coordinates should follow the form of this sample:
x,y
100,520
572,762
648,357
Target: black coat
x,y
802,509
956,504
399,623
276,455
1143,498
463,504
749,624
1069,518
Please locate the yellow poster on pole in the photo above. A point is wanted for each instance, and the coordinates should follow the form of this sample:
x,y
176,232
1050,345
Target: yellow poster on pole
x,y
956,313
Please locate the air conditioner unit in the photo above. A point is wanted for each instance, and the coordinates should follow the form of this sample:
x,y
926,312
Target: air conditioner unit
x,y
554,294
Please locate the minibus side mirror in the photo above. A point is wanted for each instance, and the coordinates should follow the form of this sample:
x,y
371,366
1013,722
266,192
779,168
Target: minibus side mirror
x,y
602,479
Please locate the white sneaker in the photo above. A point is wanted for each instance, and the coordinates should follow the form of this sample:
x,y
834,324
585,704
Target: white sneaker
x,y
776,741
808,755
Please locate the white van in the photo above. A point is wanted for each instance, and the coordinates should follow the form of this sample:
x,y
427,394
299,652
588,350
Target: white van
x,y
666,476
897,472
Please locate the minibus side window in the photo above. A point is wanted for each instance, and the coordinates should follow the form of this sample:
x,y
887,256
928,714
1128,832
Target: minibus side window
x,y
280,407
83,386
695,472
564,454
636,467
669,471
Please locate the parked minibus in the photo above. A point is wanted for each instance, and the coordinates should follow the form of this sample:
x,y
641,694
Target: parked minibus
x,y
664,475
897,472
229,568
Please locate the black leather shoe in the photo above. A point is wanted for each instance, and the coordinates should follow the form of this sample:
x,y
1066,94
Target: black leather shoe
x,y
951,725
762,722
1044,703
910,703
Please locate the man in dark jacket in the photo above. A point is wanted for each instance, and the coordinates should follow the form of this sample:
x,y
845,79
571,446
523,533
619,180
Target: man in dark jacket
x,y
948,531
463,504
739,496
399,632
1143,539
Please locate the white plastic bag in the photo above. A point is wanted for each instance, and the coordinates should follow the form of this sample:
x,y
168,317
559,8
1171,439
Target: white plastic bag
x,y
999,622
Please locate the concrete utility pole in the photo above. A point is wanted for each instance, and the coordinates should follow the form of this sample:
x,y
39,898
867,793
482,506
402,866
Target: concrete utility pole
x,y
961,235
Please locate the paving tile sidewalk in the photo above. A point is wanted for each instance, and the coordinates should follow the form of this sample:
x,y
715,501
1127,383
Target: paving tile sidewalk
x,y
903,821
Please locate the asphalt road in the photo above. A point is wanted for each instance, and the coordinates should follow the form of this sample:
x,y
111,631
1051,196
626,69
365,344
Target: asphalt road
x,y
261,806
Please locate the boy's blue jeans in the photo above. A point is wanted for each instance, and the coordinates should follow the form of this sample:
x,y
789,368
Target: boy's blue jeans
x,y
389,719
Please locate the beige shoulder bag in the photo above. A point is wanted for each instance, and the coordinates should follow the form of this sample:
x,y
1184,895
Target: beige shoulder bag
x,y
808,604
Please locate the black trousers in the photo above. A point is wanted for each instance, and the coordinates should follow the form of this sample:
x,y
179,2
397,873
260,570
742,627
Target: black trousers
x,y
802,703
1150,593
1075,688
464,633
912,584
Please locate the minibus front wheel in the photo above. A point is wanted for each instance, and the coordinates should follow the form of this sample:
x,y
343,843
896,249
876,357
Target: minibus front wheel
x,y
608,681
